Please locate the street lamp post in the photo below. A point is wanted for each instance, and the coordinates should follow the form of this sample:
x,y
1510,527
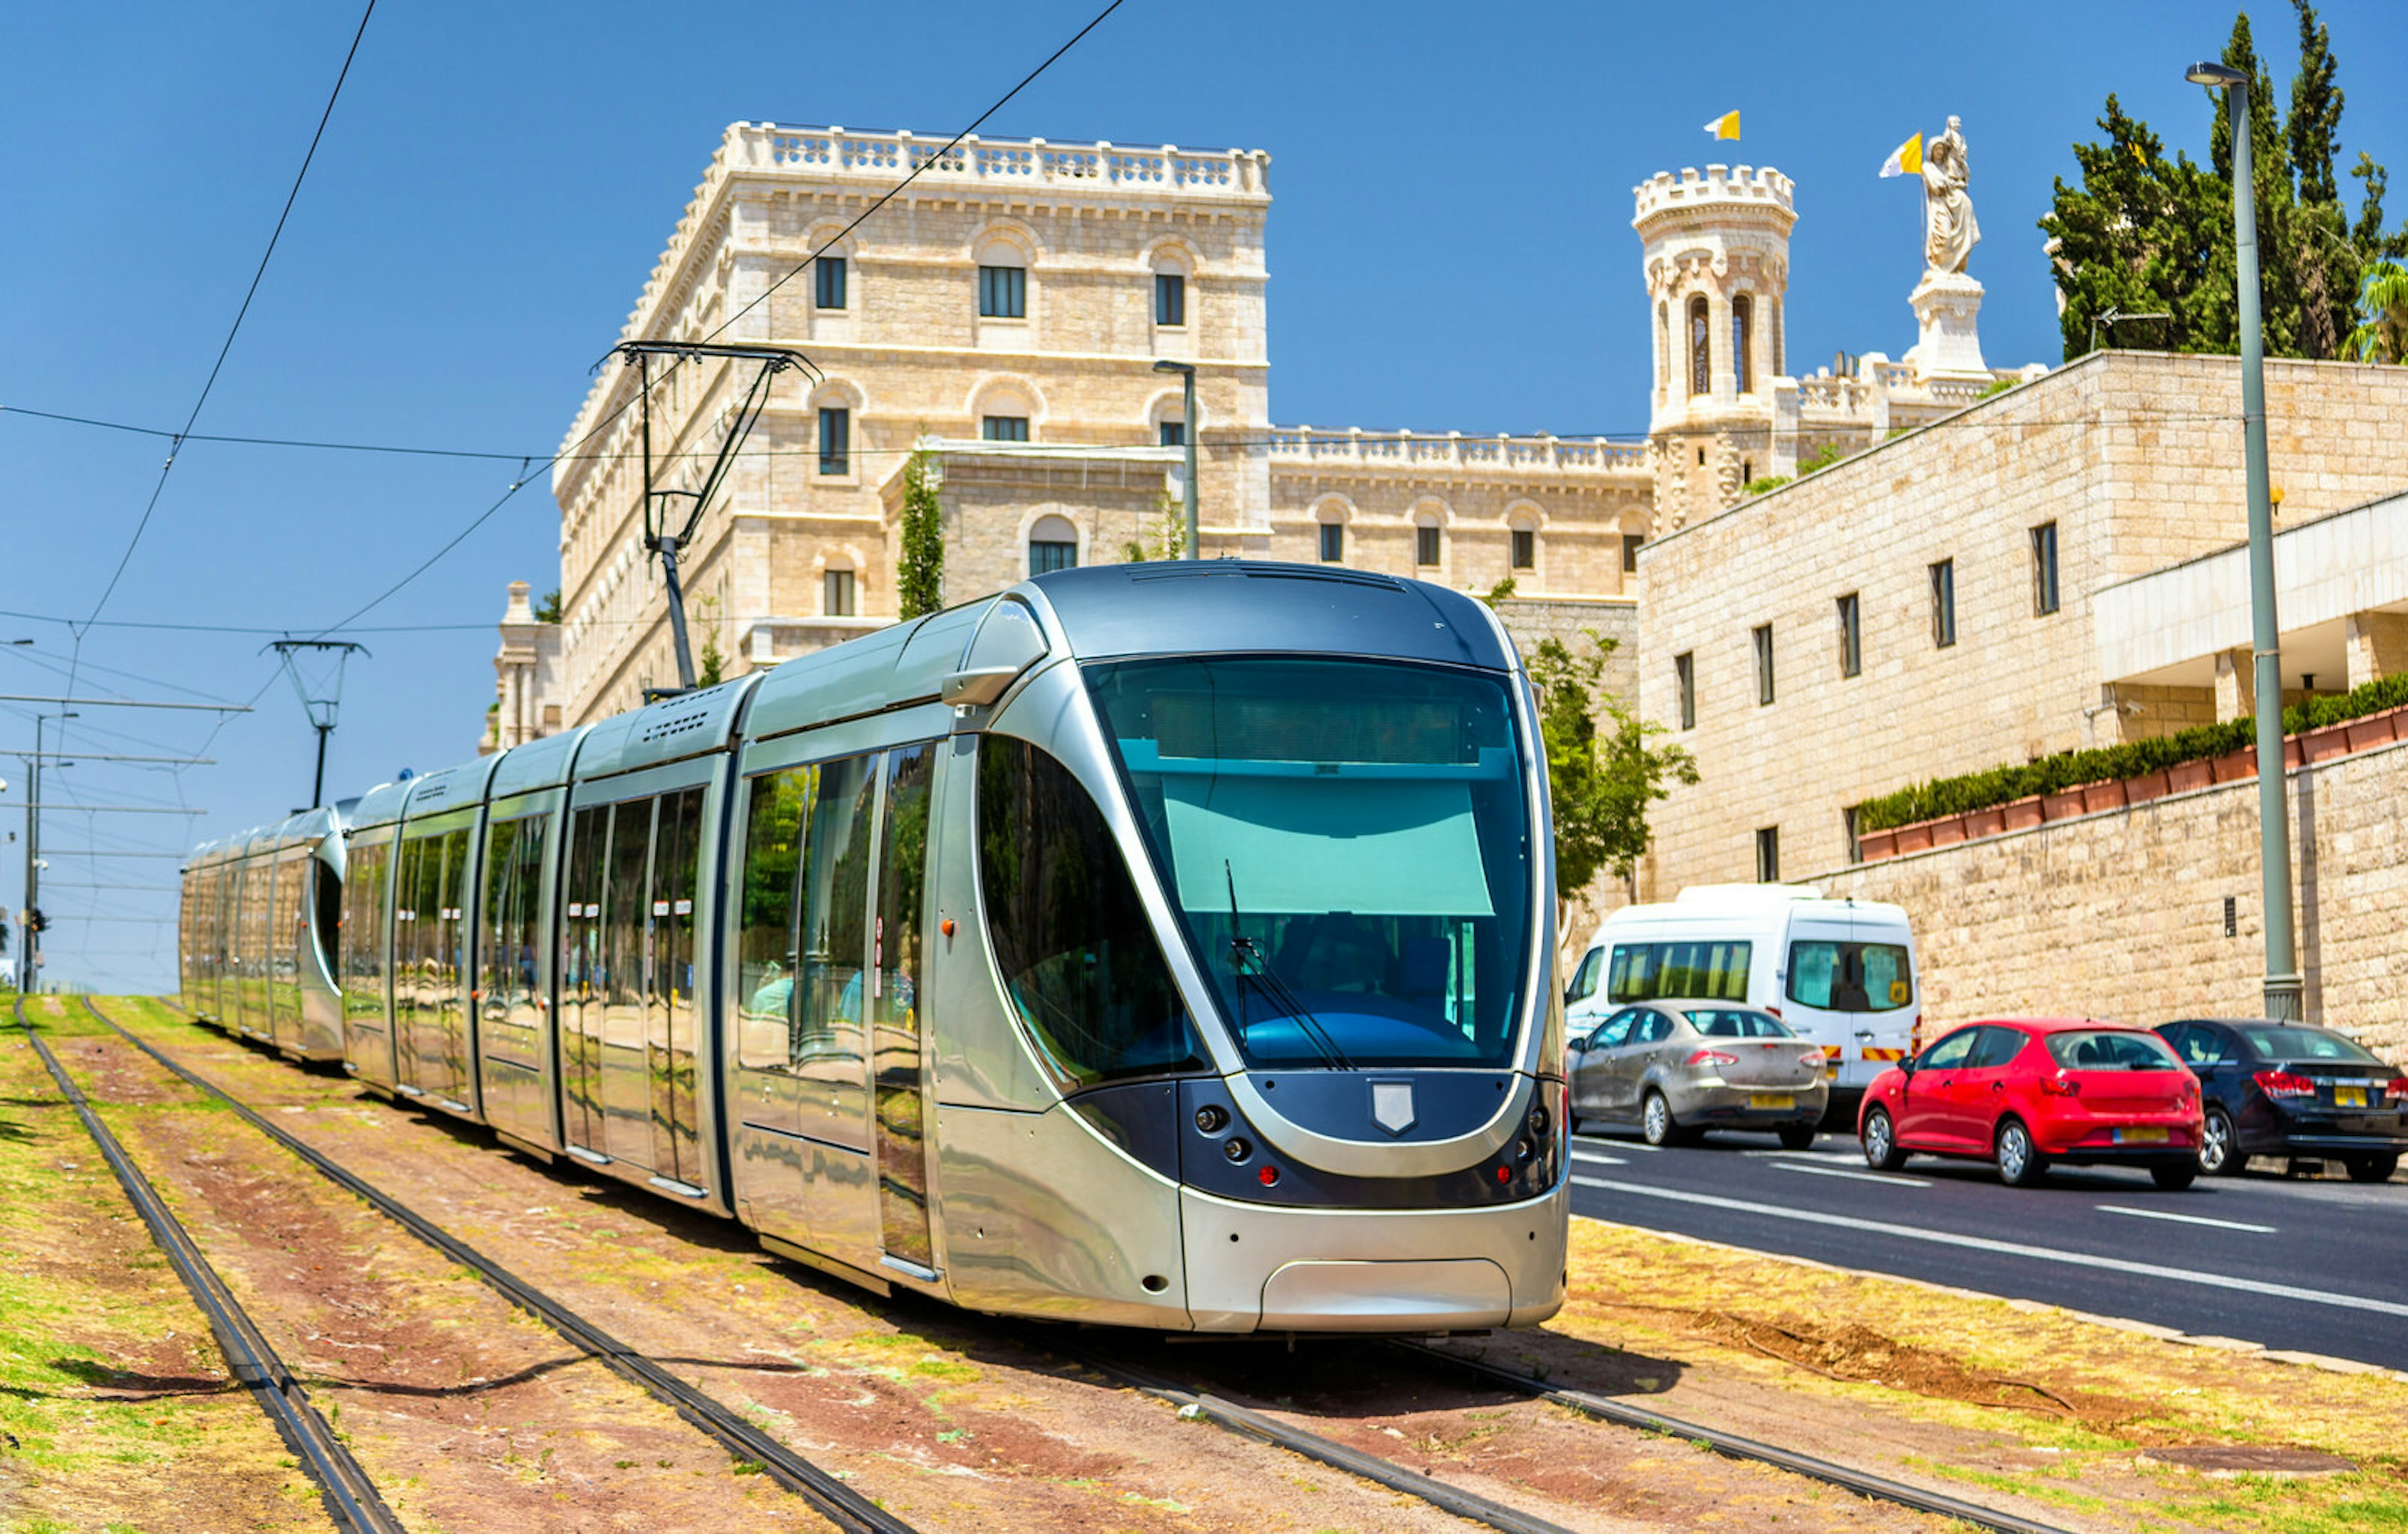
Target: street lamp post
x,y
2282,985
1187,428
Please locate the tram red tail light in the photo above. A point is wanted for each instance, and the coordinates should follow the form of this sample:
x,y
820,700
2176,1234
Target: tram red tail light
x,y
2281,1084
1267,1176
1504,1174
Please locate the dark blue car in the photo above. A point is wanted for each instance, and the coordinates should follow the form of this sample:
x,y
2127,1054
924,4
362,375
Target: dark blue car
x,y
2290,1089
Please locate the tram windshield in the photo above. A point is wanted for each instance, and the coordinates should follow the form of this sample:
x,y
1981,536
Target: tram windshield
x,y
1349,845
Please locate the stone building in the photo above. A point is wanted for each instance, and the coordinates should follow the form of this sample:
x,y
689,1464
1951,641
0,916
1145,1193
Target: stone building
x,y
1004,313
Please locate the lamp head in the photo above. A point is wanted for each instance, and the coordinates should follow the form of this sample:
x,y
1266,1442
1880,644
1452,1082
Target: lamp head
x,y
1166,365
2211,73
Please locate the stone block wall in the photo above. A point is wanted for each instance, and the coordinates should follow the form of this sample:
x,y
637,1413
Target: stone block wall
x,y
2135,459
2121,914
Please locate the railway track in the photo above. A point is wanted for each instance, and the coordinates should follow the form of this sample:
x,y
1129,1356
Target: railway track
x,y
1194,1400
345,1487
747,1443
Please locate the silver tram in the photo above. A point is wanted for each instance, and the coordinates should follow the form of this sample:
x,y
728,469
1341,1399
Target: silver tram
x,y
1161,945
255,935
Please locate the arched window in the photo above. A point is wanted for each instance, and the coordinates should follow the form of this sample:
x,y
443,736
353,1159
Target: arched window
x,y
1743,356
1701,372
1780,365
1522,541
1053,545
1427,541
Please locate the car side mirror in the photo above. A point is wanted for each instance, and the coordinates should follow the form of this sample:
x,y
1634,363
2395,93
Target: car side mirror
x,y
1907,1065
1576,1044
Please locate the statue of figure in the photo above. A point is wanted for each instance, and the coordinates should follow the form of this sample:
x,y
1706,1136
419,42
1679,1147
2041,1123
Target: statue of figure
x,y
1950,231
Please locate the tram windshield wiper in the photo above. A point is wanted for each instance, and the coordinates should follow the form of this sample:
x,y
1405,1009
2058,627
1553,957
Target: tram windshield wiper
x,y
1243,951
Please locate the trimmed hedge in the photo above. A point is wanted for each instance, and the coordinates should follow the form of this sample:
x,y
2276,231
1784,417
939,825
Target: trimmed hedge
x,y
1944,796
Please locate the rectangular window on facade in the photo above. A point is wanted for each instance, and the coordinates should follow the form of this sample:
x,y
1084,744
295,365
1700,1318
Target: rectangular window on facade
x,y
1684,682
1764,664
2043,545
1333,542
1630,542
1526,549
1768,854
836,441
1003,293
1004,428
829,279
1425,546
1169,298
1943,604
1852,646
1174,434
1045,556
836,594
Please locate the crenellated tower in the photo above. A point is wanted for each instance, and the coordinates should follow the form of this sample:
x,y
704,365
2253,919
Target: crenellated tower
x,y
1715,250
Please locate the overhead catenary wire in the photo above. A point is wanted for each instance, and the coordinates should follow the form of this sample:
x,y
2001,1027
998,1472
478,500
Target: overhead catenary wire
x,y
143,524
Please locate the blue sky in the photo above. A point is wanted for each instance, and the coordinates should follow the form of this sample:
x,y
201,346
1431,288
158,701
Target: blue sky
x,y
1450,249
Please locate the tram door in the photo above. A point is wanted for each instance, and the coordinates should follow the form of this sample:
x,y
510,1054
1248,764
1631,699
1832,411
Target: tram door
x,y
670,1024
581,982
895,990
830,1050
626,954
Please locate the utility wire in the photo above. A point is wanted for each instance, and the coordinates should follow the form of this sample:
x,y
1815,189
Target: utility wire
x,y
236,329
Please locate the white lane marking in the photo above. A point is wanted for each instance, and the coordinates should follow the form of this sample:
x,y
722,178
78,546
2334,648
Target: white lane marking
x,y
2185,1219
1601,1160
2010,1248
1850,1172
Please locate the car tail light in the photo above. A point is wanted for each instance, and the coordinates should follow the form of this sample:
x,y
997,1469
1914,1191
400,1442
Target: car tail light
x,y
1811,1059
1774,1011
2396,1090
2060,1087
1712,1057
2281,1084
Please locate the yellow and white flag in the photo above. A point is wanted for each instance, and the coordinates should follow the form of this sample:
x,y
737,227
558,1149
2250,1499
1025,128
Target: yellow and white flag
x,y
1905,160
1725,126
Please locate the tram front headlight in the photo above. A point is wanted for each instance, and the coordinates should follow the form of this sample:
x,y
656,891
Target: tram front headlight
x,y
1237,1148
1538,1121
1211,1118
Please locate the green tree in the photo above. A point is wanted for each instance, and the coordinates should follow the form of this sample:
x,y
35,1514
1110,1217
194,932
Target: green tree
x,y
1600,779
712,667
1162,532
547,610
2148,234
921,584
2382,330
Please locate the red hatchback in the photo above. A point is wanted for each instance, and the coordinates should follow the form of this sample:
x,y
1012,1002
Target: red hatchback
x,y
2027,1091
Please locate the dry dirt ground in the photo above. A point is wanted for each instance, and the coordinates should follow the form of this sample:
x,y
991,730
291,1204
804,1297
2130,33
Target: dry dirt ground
x,y
474,1416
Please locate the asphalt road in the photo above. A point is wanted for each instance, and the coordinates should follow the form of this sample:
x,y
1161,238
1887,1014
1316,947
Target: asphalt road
x,y
2317,1265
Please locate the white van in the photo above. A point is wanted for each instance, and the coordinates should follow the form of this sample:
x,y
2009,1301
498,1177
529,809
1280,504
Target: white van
x,y
1842,973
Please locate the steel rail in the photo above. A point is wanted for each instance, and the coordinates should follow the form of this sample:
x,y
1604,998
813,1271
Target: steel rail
x,y
1246,1423
1732,1446
348,1493
838,1502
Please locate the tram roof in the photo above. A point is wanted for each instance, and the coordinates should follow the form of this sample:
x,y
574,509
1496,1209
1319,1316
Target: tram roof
x,y
1186,606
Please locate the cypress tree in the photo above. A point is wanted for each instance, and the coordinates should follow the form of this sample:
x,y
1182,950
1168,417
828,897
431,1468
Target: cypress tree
x,y
919,584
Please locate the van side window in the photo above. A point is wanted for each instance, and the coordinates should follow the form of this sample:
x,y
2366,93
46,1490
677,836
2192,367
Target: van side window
x,y
1850,977
1584,983
1710,970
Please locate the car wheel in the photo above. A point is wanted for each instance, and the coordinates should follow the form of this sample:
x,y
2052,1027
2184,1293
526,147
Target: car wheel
x,y
2372,1168
2020,1163
1656,1124
1571,1120
1797,1137
2174,1176
1881,1142
2220,1153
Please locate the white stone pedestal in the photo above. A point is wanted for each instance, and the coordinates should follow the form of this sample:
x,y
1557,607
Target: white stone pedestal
x,y
1946,304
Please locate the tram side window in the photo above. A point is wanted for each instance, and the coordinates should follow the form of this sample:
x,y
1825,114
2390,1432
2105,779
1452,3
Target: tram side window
x,y
363,931
1702,971
835,899
780,804
513,876
1071,938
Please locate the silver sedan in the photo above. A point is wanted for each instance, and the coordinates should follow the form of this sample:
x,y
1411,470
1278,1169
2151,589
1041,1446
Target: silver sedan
x,y
1677,1069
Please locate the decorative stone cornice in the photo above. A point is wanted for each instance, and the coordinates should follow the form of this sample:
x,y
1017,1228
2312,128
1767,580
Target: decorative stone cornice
x,y
1405,452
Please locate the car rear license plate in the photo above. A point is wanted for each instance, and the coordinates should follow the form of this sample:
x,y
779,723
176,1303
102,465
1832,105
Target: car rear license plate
x,y
1772,1099
2147,1133
2349,1097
